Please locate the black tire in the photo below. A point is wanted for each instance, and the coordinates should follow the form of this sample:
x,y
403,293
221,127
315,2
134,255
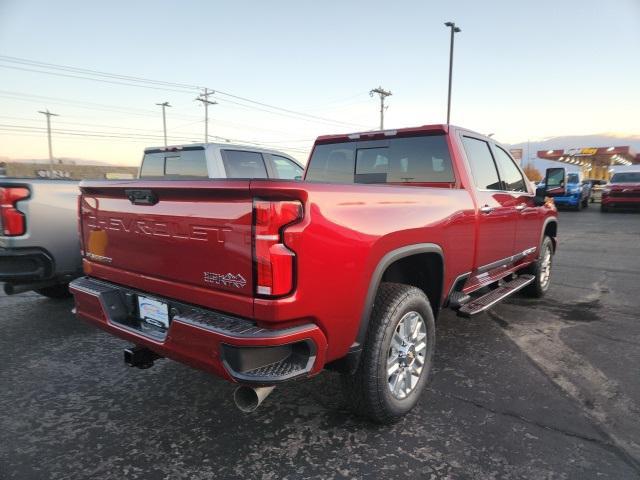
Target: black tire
x,y
56,292
604,208
585,203
368,391
538,287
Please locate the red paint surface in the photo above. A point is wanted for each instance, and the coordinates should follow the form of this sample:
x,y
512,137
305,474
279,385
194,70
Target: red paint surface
x,y
206,226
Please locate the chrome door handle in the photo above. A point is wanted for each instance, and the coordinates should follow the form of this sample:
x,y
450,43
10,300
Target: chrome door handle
x,y
521,207
486,209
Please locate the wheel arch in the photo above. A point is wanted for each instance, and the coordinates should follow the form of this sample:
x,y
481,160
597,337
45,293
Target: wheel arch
x,y
550,229
405,265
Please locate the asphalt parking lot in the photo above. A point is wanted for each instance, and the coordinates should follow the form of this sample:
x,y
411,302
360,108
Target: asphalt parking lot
x,y
533,389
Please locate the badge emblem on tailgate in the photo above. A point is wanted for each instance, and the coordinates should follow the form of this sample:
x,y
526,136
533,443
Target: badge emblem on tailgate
x,y
237,280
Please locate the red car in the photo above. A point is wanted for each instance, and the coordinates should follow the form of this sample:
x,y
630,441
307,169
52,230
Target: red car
x,y
623,190
264,281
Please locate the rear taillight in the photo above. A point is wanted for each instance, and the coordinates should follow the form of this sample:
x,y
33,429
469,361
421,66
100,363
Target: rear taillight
x,y
273,259
11,219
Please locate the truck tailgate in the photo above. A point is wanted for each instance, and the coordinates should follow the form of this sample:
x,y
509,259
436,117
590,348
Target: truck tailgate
x,y
189,240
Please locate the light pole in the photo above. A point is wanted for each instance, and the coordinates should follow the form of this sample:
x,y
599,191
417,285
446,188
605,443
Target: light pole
x,y
48,114
454,30
164,105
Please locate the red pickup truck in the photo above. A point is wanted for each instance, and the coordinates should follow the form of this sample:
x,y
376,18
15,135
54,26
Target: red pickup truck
x,y
264,281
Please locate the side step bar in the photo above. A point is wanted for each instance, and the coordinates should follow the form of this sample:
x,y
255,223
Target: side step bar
x,y
480,304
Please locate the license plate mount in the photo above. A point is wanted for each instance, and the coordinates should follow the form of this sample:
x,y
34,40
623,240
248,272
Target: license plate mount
x,y
153,311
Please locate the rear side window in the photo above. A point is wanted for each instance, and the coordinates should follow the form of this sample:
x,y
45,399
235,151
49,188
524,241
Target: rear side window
x,y
243,164
482,165
398,160
285,168
512,179
181,164
334,162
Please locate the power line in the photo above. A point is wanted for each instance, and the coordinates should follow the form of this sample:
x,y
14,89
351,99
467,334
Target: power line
x,y
170,86
94,133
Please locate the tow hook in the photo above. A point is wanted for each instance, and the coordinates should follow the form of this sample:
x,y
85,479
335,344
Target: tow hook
x,y
140,357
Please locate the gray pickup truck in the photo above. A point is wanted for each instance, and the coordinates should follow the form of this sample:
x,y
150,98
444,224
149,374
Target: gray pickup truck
x,y
39,246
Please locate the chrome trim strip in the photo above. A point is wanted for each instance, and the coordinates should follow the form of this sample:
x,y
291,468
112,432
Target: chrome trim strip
x,y
505,262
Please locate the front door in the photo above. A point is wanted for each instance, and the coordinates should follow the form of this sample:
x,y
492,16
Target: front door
x,y
529,216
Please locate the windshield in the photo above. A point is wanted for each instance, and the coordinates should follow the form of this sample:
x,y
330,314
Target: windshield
x,y
626,177
398,160
573,178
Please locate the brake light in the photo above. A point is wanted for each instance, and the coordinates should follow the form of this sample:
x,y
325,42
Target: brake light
x,y
11,219
273,259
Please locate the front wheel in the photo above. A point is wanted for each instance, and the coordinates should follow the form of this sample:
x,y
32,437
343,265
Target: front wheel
x,y
541,270
397,355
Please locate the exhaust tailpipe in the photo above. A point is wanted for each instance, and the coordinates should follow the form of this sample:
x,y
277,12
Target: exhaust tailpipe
x,y
249,398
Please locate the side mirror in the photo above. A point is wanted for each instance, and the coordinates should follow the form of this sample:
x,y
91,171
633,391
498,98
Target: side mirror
x,y
555,182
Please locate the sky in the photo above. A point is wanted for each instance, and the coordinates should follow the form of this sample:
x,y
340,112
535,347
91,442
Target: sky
x,y
526,69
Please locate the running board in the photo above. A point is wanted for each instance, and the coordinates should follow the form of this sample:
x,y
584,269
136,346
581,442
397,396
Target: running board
x,y
480,304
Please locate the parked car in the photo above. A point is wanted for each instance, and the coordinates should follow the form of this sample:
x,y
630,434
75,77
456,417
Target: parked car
x,y
39,245
623,190
577,193
217,160
596,189
265,281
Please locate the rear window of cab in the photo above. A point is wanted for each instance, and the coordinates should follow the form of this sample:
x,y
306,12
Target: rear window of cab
x,y
424,159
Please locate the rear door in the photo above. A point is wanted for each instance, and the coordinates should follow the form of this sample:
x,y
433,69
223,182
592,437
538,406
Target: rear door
x,y
185,240
497,215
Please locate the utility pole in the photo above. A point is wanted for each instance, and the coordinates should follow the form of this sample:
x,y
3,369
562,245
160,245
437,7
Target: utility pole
x,y
383,94
204,98
454,30
164,105
48,114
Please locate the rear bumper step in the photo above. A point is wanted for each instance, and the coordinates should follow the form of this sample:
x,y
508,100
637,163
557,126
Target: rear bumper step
x,y
480,304
230,347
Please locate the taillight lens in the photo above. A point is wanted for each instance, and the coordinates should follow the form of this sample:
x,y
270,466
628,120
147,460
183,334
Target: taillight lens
x,y
11,219
274,260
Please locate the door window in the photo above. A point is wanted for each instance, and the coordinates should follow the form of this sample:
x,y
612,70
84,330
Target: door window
x,y
512,179
483,168
285,168
243,164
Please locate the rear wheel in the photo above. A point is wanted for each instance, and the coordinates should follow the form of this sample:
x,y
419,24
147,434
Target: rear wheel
x,y
55,291
541,270
397,355
604,208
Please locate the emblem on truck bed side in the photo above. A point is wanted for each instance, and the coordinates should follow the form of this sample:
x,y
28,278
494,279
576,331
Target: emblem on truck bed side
x,y
237,281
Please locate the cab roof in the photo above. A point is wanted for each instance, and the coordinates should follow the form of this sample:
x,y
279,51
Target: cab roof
x,y
395,132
